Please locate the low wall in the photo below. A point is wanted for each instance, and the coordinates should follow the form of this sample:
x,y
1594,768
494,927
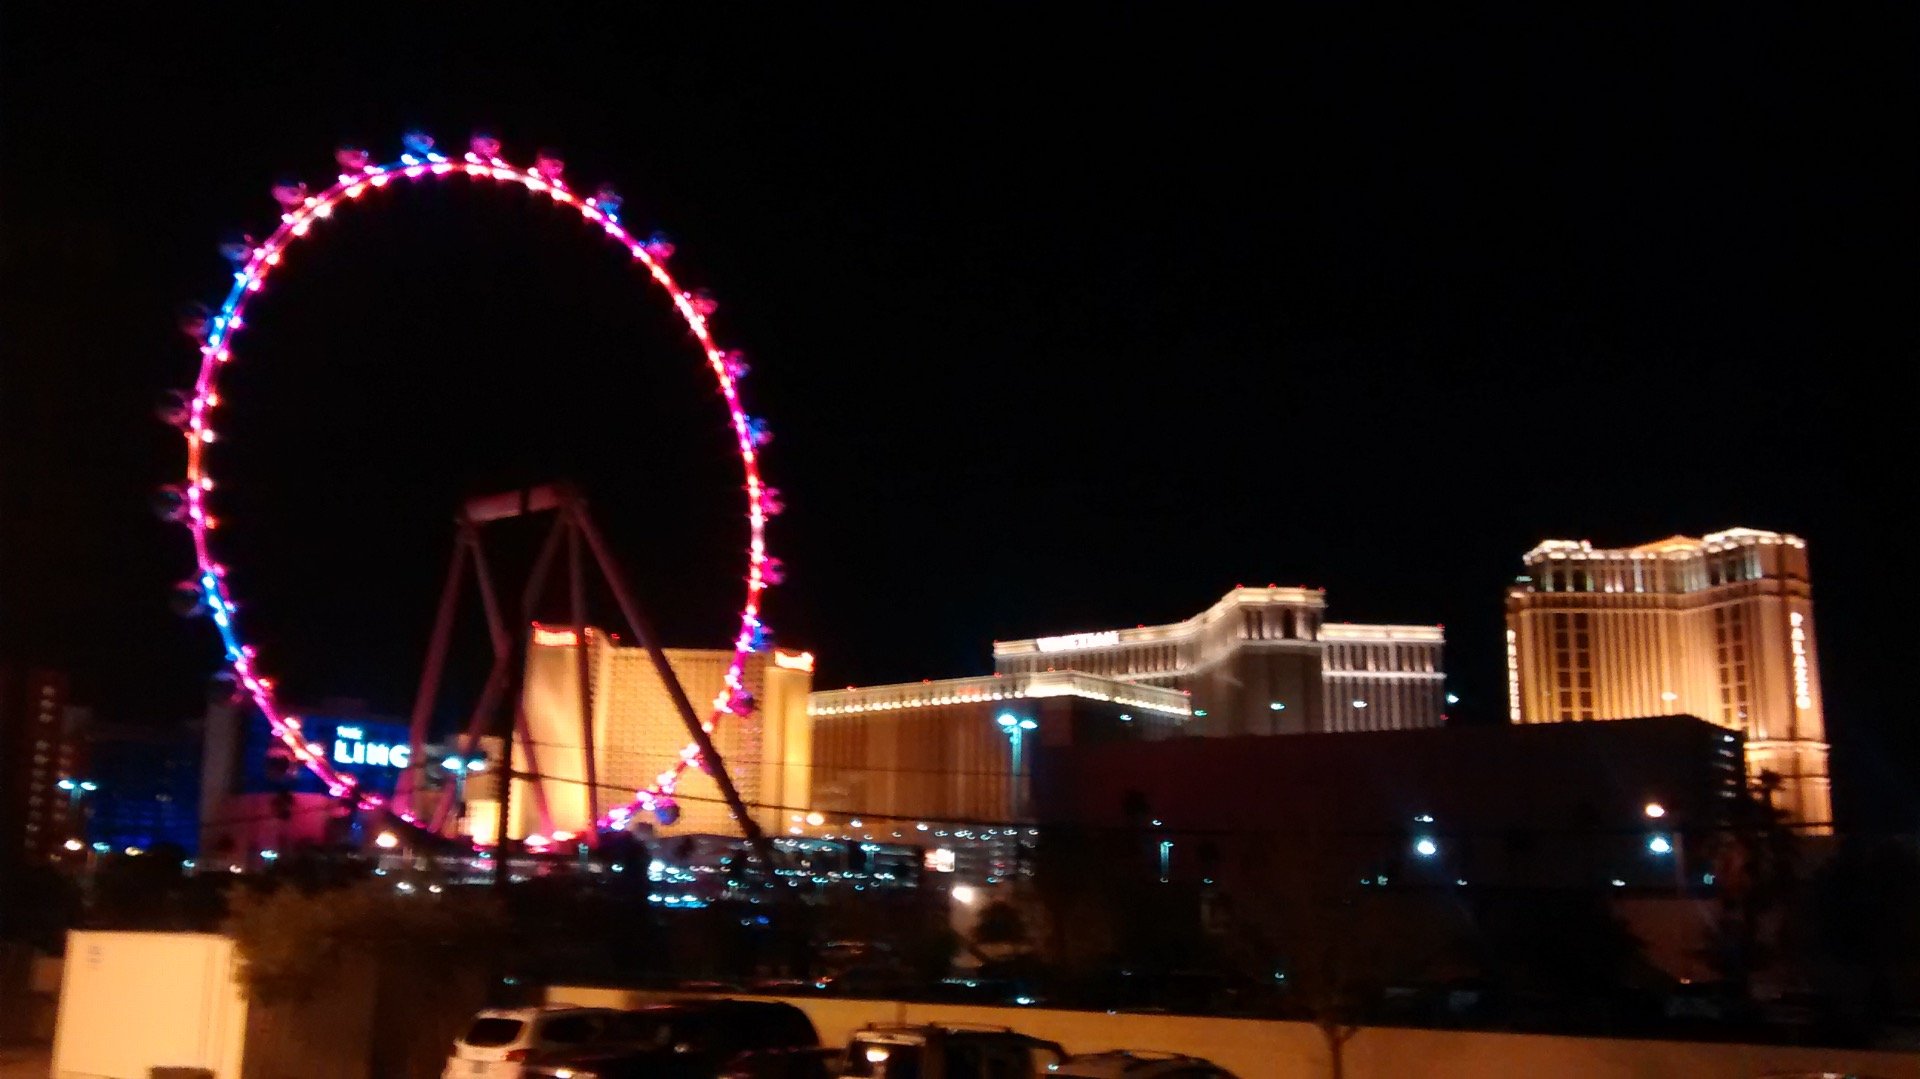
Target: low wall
x,y
1270,1049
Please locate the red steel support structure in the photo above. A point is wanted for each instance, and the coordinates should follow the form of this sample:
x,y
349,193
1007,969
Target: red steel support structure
x,y
574,529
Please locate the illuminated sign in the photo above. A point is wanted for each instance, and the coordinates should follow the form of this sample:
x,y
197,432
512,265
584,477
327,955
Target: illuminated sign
x,y
1513,677
1802,681
794,661
1074,641
351,747
554,638
940,860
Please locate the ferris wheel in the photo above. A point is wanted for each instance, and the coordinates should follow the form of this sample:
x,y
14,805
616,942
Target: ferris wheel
x,y
218,333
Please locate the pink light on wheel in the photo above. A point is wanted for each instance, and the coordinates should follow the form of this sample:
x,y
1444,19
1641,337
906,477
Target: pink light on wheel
x,y
421,164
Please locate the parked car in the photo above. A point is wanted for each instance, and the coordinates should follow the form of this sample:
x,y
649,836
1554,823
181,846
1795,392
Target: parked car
x,y
1134,1064
689,1039
947,1052
811,1063
498,1041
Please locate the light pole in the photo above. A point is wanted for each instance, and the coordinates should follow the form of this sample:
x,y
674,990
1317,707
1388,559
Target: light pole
x,y
77,791
1016,728
1668,844
459,768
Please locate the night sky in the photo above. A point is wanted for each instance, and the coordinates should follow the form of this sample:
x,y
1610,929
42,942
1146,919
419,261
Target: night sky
x,y
1063,318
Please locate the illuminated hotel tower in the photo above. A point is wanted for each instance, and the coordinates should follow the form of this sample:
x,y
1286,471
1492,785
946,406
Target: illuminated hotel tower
x,y
637,732
1719,627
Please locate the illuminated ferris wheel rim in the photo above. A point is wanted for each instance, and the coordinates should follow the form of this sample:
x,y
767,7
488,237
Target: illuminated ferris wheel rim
x,y
256,264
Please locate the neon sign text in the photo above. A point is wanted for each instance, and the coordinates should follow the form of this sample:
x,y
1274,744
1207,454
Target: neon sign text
x,y
350,747
1073,641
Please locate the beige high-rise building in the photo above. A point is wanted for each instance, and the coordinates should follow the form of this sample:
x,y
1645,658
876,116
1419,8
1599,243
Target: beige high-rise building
x,y
1719,627
637,734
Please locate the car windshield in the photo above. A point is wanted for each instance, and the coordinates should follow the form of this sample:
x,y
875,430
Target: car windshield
x,y
490,1031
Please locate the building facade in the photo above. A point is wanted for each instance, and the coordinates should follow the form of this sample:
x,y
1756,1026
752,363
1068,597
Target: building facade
x,y
1720,627
1638,803
148,783
1263,661
959,749
637,733
257,803
42,801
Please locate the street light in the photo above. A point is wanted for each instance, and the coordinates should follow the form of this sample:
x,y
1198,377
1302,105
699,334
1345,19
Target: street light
x,y
1016,728
77,791
459,768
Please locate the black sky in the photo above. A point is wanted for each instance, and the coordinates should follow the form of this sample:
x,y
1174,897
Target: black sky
x,y
1063,318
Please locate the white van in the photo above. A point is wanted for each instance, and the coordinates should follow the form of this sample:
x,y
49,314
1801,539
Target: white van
x,y
498,1040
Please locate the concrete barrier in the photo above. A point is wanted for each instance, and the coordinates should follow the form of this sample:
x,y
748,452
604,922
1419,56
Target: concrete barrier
x,y
1271,1049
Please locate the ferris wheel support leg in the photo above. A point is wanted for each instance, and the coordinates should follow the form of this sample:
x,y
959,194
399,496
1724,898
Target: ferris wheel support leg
x,y
582,665
644,632
429,692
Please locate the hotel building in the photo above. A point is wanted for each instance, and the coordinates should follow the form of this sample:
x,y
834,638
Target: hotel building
x,y
40,748
1719,627
637,732
960,748
1263,661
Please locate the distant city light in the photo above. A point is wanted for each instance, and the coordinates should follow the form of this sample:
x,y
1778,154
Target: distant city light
x,y
265,855
1618,883
1359,704
1276,706
965,894
1660,845
1199,711
816,819
1655,810
1425,847
1669,696
1453,698
386,841
73,844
